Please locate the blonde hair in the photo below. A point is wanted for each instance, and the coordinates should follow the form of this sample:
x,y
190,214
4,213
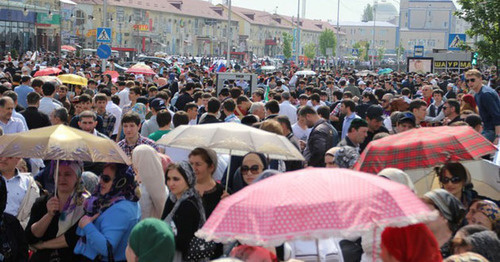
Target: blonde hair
x,y
473,72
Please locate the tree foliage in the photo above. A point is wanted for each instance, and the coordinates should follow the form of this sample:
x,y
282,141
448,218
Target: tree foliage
x,y
484,18
310,50
367,13
327,39
363,47
380,53
287,45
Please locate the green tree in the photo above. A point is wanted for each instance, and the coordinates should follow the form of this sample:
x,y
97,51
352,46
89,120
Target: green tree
x,y
380,53
484,18
367,13
310,50
287,45
367,49
327,39
400,50
361,50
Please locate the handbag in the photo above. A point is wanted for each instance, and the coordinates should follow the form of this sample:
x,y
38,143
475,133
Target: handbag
x,y
199,249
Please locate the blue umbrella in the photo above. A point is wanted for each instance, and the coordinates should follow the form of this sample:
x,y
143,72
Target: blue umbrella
x,y
385,71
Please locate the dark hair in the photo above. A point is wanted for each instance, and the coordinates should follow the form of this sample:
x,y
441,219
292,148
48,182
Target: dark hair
x,y
25,79
180,118
48,89
229,105
131,117
137,90
357,123
324,112
416,104
473,120
347,94
32,98
273,106
115,99
348,103
179,169
213,105
405,91
85,98
62,114
36,83
235,92
202,152
282,119
456,170
100,97
87,113
190,105
249,120
259,93
307,110
338,94
454,104
438,91
315,97
163,118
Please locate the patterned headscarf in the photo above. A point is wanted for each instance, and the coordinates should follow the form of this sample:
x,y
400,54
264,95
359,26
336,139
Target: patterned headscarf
x,y
491,211
124,187
140,109
346,157
187,172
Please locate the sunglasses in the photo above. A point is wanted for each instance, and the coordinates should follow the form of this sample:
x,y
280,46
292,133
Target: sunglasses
x,y
254,169
470,80
444,107
105,178
446,180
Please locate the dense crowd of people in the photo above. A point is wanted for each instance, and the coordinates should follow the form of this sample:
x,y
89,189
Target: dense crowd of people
x,y
150,211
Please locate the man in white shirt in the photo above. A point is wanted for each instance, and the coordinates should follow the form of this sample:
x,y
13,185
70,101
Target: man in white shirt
x,y
123,94
47,104
287,109
9,124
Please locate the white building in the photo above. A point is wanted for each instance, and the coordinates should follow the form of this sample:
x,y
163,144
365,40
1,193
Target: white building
x,y
385,35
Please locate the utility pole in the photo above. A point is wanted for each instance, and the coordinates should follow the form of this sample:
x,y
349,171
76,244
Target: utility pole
x,y
338,40
373,47
228,57
105,24
297,37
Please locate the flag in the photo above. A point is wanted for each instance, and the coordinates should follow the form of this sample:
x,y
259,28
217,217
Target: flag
x,y
177,68
221,68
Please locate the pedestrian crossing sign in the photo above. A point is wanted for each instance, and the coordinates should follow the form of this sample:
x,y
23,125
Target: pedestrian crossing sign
x,y
355,52
454,41
103,35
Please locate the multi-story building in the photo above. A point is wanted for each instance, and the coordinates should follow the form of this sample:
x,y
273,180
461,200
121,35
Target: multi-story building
x,y
385,35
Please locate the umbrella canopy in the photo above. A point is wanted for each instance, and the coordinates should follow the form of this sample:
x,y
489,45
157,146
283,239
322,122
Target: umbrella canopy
x,y
68,48
61,142
232,138
114,75
53,79
424,147
48,71
385,71
141,69
482,173
73,79
313,203
306,73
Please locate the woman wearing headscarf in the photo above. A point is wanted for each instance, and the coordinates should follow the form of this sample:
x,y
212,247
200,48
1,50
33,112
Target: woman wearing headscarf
x,y
51,230
252,166
151,240
412,243
13,245
485,213
110,214
148,169
346,157
451,215
397,175
183,210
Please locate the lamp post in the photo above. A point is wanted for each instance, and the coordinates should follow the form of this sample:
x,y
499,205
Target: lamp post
x,y
228,57
373,42
338,40
297,38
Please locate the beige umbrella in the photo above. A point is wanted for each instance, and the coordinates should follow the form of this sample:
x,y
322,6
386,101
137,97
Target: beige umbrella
x,y
485,176
61,142
233,139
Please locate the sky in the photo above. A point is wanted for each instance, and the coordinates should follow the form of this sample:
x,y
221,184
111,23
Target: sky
x,y
315,9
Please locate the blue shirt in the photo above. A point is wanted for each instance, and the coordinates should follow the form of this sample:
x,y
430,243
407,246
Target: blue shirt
x,y
114,225
488,103
232,118
347,124
22,92
14,125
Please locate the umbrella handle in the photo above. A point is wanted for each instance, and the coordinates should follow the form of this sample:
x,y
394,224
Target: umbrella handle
x,y
56,177
228,170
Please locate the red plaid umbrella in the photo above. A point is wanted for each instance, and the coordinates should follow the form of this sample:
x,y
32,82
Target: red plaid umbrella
x,y
48,71
424,147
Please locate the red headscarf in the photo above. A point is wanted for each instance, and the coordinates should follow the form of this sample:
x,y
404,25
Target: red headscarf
x,y
469,99
253,254
412,243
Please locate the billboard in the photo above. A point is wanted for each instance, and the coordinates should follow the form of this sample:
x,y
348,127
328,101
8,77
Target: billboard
x,y
421,65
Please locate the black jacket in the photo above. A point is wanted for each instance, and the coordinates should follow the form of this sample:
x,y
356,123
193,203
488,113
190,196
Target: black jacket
x,y
323,137
209,119
35,118
13,245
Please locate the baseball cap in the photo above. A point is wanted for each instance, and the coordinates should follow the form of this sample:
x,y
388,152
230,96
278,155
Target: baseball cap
x,y
157,104
375,112
407,117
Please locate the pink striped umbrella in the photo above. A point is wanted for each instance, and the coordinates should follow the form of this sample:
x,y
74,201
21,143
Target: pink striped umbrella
x,y
313,203
140,69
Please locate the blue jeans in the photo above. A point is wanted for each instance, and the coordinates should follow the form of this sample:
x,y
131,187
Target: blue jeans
x,y
489,134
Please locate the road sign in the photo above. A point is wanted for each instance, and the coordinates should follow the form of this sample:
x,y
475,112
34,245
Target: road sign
x,y
355,52
454,41
104,51
418,51
103,35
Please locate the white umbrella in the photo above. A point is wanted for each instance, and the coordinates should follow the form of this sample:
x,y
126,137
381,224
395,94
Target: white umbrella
x,y
306,73
233,139
485,177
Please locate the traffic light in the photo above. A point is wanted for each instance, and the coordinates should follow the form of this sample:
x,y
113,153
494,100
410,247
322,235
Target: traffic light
x,y
474,58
